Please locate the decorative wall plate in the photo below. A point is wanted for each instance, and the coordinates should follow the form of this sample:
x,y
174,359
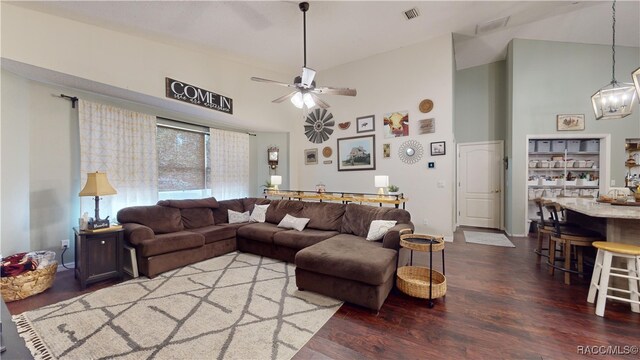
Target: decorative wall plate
x,y
425,106
410,152
344,125
327,151
318,126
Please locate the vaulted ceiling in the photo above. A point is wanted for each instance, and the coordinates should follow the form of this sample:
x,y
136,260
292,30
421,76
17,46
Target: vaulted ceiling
x,y
269,33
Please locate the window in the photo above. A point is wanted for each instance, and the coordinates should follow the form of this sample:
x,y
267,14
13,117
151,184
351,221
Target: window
x,y
183,163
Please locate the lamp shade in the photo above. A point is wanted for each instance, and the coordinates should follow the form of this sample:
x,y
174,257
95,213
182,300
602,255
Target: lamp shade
x,y
276,180
381,180
614,101
97,185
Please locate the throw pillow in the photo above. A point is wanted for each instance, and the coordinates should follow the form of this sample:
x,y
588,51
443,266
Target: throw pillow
x,y
238,217
259,213
290,222
379,228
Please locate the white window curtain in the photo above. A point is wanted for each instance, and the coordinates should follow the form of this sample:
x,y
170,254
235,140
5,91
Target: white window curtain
x,y
121,143
229,164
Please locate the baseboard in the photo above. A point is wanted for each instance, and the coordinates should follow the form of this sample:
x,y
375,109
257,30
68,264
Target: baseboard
x,y
70,266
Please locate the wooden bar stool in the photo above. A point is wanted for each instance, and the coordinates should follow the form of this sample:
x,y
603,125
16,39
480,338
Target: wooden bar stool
x,y
570,237
603,270
545,229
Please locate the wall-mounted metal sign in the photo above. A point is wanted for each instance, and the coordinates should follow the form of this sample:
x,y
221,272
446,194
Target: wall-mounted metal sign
x,y
194,95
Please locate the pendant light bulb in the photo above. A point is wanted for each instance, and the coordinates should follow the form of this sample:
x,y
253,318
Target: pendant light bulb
x,y
308,100
297,101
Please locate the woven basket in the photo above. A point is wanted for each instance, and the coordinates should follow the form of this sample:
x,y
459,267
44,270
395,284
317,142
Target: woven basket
x,y
414,281
28,283
438,245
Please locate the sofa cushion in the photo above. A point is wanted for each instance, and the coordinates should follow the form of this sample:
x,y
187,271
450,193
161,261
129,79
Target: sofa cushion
x,y
214,233
160,219
358,218
259,213
379,228
292,222
301,239
349,257
261,232
324,216
279,208
190,203
166,243
221,215
248,203
196,217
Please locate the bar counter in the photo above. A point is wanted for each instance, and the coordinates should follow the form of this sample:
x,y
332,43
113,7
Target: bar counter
x,y
622,222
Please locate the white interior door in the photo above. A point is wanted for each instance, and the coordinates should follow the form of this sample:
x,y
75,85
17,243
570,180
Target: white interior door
x,y
480,184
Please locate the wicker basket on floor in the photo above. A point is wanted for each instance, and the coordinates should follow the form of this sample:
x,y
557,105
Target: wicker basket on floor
x,y
28,283
414,281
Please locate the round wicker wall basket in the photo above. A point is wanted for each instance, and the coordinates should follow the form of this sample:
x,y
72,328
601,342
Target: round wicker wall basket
x,y
414,281
28,283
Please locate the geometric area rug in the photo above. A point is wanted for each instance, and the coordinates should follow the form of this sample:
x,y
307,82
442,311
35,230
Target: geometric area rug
x,y
486,238
235,306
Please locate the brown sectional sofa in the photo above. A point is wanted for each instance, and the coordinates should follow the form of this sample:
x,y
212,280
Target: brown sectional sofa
x,y
331,254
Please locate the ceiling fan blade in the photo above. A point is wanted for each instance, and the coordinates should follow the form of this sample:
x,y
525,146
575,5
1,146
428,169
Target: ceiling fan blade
x,y
271,81
308,74
283,98
321,103
335,91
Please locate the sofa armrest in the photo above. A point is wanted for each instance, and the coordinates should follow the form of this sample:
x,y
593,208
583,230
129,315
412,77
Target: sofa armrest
x,y
391,239
136,233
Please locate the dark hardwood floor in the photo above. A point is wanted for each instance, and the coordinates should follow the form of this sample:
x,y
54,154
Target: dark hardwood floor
x,y
499,305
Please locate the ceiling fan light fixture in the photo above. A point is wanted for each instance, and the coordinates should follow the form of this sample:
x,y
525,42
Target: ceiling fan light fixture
x,y
297,101
308,100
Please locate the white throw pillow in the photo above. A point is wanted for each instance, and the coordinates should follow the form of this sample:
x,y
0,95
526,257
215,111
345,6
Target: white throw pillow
x,y
379,228
290,222
259,213
238,217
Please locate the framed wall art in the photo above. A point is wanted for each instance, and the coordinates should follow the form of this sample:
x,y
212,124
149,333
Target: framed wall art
x,y
396,124
570,122
438,148
365,123
357,153
386,150
311,156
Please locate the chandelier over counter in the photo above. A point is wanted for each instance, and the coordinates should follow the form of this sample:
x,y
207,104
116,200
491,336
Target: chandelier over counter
x,y
615,100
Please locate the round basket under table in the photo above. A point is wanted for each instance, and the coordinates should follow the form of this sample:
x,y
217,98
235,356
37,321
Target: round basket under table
x,y
414,281
28,283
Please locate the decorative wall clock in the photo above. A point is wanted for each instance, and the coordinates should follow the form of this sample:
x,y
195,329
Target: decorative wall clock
x,y
410,152
318,126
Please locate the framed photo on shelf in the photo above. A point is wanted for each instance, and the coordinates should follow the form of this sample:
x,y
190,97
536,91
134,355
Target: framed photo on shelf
x,y
570,122
438,148
366,123
357,153
311,156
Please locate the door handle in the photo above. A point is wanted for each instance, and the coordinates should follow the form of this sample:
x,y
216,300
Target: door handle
x,y
496,191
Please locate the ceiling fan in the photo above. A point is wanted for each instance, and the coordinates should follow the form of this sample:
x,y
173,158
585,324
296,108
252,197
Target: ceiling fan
x,y
306,90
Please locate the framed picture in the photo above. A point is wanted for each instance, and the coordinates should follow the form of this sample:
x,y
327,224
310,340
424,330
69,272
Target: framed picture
x,y
311,156
570,122
357,153
438,148
386,150
365,123
396,124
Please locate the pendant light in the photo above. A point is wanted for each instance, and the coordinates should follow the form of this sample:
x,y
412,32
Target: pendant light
x,y
615,100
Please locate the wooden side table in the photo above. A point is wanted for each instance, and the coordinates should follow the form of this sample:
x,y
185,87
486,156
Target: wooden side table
x,y
98,255
418,281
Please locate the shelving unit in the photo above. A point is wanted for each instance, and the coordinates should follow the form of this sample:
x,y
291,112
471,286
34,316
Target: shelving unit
x,y
632,151
559,157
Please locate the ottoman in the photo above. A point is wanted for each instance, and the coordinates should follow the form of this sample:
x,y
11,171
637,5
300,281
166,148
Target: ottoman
x,y
349,268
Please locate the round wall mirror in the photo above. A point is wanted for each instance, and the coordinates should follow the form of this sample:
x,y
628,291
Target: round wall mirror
x,y
410,152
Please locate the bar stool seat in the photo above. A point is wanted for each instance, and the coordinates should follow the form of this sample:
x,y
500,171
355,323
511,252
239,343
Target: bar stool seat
x,y
545,228
570,237
603,271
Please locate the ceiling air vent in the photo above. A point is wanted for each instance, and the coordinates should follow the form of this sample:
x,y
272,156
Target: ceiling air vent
x,y
412,13
491,25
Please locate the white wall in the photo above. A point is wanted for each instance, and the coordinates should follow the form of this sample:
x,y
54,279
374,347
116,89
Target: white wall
x,y
390,82
259,166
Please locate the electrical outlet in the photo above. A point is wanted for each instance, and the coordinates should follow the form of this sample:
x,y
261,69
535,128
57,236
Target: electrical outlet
x,y
425,222
64,243
613,182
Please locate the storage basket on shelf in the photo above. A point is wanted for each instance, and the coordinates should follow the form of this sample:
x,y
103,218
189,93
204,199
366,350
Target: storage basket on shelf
x,y
28,283
414,281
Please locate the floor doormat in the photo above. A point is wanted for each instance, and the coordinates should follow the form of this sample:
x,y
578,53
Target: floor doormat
x,y
485,238
236,306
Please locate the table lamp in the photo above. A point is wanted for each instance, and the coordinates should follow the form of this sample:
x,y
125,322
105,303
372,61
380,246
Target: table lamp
x,y
275,181
97,185
381,182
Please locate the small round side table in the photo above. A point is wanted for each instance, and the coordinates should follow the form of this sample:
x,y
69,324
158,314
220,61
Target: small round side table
x,y
419,281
